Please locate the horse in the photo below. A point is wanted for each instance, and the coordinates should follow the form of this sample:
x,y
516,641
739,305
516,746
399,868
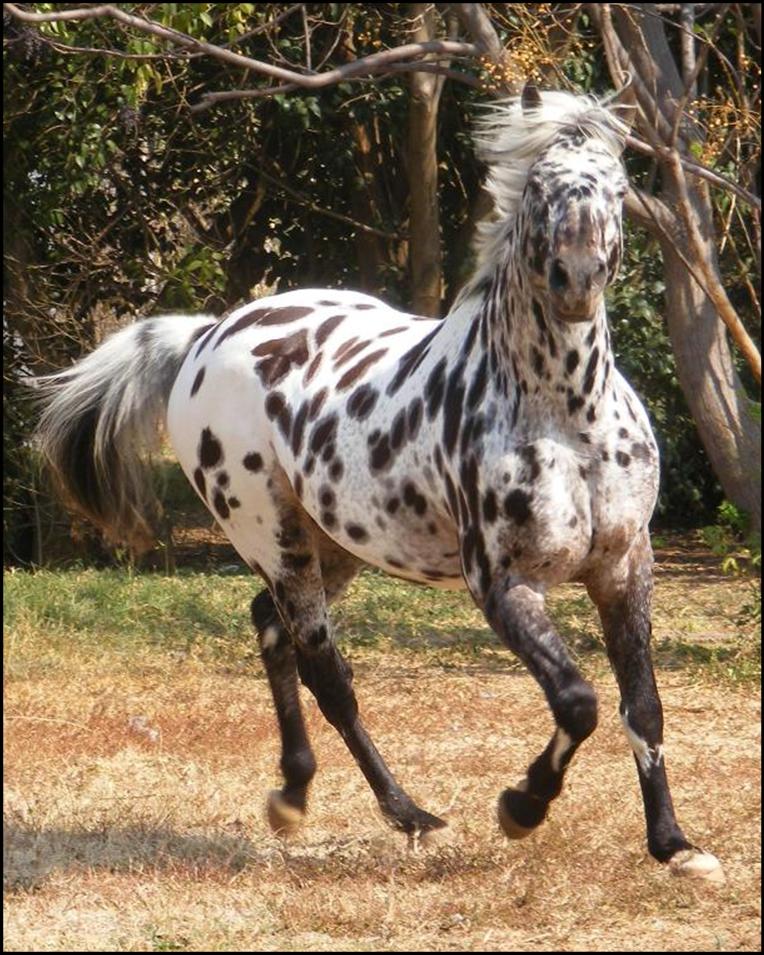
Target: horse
x,y
498,450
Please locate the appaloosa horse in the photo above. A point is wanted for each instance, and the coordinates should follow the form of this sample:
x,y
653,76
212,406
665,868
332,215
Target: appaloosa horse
x,y
498,449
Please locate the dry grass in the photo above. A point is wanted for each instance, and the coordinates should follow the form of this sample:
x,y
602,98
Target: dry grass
x,y
134,815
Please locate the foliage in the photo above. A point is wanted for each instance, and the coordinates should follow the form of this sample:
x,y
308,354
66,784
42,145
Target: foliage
x,y
739,552
688,492
18,458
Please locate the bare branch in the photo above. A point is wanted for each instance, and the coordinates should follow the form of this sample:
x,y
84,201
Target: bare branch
x,y
117,54
621,63
306,33
264,27
478,25
365,66
712,286
213,99
699,171
691,75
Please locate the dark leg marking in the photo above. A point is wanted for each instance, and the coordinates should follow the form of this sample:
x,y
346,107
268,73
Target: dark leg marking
x,y
197,382
298,763
627,628
518,617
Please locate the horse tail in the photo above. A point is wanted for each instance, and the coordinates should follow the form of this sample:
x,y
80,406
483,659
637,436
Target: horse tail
x,y
100,415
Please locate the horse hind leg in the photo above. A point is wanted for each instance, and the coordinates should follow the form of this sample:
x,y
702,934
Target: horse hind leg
x,y
301,595
517,615
285,807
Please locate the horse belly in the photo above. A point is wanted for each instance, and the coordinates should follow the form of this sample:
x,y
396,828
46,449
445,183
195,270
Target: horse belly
x,y
392,520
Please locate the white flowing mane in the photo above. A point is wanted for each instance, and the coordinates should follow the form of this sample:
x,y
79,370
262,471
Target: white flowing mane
x,y
509,140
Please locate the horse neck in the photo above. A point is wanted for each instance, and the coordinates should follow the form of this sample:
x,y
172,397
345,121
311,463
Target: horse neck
x,y
563,370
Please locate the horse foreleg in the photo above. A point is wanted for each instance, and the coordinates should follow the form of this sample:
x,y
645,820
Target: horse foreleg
x,y
516,613
623,594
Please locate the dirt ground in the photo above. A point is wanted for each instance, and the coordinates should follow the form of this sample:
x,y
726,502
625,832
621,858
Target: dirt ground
x,y
133,814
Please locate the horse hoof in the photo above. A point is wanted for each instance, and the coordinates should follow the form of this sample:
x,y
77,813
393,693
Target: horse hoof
x,y
282,818
434,838
696,864
519,814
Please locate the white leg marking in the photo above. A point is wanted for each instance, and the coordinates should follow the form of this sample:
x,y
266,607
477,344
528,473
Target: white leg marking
x,y
562,743
269,637
646,757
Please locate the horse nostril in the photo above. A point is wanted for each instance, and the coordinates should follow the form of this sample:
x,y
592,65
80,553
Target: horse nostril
x,y
558,277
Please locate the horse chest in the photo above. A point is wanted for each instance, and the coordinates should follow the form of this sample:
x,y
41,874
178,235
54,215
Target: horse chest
x,y
563,503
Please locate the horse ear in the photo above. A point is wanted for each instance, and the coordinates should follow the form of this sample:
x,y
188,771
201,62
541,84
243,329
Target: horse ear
x,y
624,102
530,98
626,112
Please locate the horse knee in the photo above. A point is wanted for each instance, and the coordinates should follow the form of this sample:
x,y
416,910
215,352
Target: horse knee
x,y
576,711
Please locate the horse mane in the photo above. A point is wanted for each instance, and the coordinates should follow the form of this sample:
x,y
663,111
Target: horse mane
x,y
509,139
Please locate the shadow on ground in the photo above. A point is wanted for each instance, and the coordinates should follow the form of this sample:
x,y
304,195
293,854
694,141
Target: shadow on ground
x,y
32,857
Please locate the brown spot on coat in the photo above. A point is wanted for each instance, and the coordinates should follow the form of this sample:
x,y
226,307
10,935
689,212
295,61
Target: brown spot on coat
x,y
200,482
253,462
362,401
264,316
220,504
312,368
411,360
279,356
317,402
325,329
354,373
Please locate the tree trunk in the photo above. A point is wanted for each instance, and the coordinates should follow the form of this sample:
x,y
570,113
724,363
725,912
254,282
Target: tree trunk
x,y
366,205
422,168
714,392
716,397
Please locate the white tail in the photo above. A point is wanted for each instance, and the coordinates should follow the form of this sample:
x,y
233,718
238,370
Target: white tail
x,y
101,414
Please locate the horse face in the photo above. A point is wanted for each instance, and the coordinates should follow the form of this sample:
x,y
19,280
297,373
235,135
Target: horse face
x,y
574,214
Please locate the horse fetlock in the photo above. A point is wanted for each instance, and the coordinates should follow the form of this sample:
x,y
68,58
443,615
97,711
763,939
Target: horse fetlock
x,y
575,711
298,768
263,611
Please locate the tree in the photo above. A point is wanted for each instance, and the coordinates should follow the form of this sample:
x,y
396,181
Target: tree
x,y
681,216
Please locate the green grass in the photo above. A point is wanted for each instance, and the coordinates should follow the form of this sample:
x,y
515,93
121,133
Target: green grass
x,y
55,619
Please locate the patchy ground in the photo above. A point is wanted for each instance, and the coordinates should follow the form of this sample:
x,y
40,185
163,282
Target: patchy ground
x,y
136,772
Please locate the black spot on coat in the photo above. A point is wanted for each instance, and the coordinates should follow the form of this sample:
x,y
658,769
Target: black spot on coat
x,y
210,450
197,381
517,506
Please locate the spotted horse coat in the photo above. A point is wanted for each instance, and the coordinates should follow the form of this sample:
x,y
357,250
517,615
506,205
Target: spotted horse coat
x,y
498,449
